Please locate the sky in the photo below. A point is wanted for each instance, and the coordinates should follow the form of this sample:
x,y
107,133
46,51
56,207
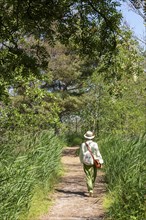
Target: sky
x,y
135,21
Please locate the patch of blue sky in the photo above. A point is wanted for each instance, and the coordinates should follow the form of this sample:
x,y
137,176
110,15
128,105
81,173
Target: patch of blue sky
x,y
134,21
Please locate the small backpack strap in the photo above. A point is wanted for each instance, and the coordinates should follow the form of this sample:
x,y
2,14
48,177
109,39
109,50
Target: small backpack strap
x,y
87,145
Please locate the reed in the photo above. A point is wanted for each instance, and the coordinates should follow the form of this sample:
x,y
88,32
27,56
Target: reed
x,y
125,175
27,160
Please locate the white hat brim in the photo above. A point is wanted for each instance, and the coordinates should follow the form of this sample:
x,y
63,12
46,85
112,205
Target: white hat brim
x,y
87,137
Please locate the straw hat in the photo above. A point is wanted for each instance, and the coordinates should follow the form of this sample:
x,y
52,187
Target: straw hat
x,y
89,135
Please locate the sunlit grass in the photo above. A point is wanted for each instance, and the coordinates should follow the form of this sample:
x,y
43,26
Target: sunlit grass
x,y
39,205
109,200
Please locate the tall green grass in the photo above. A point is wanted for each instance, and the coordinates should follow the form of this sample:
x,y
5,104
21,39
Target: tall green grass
x,y
125,173
27,160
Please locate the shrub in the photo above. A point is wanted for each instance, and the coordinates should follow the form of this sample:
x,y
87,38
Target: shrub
x,y
74,139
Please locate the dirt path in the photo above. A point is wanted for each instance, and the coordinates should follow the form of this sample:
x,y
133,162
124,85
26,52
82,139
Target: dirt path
x,y
71,201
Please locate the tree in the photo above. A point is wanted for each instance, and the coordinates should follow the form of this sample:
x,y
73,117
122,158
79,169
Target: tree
x,y
26,25
117,104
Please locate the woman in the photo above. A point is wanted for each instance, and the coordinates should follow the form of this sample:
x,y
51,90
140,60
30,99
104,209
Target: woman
x,y
88,147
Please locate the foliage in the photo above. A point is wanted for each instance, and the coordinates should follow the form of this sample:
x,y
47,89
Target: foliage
x,y
64,85
65,65
27,160
125,168
27,25
29,107
74,139
117,104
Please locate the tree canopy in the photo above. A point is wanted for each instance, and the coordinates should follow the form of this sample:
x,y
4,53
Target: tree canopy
x,y
25,25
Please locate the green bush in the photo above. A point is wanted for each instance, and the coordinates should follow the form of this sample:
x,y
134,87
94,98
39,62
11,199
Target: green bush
x,y
125,167
74,139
